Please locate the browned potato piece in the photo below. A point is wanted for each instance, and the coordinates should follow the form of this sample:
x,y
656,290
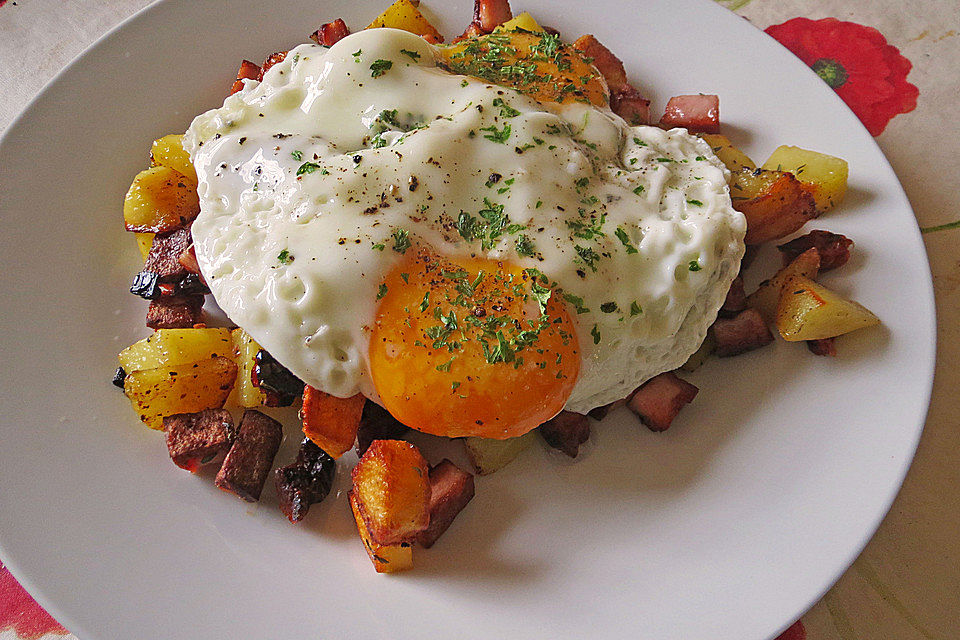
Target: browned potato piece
x,y
159,201
824,176
810,311
775,204
767,296
393,491
183,388
168,152
385,558
404,15
488,455
732,157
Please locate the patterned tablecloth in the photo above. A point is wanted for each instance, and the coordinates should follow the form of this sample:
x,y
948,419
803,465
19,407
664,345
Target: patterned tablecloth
x,y
897,65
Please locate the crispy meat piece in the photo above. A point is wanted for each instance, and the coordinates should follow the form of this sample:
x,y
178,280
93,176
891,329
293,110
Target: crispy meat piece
x,y
165,252
188,260
175,312
490,14
305,481
451,488
146,284
472,31
834,249
271,60
744,332
749,255
376,423
697,113
566,431
248,71
280,387
194,439
736,299
625,100
248,462
330,33
658,401
631,106
599,413
823,347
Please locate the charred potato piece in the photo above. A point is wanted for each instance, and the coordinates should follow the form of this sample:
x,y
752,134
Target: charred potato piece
x,y
809,311
183,388
767,296
160,200
168,152
386,558
774,203
824,176
331,422
488,455
392,488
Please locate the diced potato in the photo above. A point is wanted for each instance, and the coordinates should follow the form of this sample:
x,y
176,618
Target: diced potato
x,y
168,152
701,355
331,422
144,240
183,388
176,346
775,204
767,296
523,21
403,14
488,455
810,311
248,394
732,157
825,176
392,489
160,200
386,558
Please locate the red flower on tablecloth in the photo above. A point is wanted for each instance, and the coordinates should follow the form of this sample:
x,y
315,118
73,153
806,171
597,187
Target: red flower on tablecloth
x,y
866,72
18,611
795,632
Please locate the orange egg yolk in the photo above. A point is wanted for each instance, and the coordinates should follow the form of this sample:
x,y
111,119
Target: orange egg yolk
x,y
471,347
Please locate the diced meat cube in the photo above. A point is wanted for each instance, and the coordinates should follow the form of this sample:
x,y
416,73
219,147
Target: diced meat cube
x,y
330,33
631,106
698,113
834,249
280,387
566,431
609,65
248,71
744,332
175,312
451,488
146,284
823,347
736,299
271,60
195,439
376,423
165,252
249,460
472,31
188,260
305,481
658,401
490,14
599,413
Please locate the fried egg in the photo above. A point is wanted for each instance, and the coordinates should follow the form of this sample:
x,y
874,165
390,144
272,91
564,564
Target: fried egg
x,y
469,257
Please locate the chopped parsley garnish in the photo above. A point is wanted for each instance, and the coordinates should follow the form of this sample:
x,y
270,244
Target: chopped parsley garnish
x,y
639,189
506,111
665,160
454,385
413,55
695,203
694,266
401,241
425,302
699,158
308,167
609,307
356,55
297,155
595,332
380,67
587,231
639,142
577,303
499,136
446,365
284,257
382,291
379,246
635,309
588,256
524,246
625,239
582,182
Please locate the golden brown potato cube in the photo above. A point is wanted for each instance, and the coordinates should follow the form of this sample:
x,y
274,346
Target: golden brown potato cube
x,y
732,157
176,346
159,201
386,558
168,152
404,14
810,311
775,204
248,394
488,454
522,21
393,491
184,388
824,176
767,296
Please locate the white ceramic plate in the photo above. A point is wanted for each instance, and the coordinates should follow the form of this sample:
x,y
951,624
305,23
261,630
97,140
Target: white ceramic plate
x,y
726,527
